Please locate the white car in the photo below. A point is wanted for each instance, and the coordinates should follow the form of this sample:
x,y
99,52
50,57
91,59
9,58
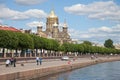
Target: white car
x,y
66,58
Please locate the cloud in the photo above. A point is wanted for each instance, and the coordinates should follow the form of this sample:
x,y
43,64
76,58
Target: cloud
x,y
98,10
101,29
1,21
105,29
98,34
35,24
29,2
7,13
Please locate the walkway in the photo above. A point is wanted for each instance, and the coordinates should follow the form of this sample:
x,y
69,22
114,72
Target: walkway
x,y
46,64
31,66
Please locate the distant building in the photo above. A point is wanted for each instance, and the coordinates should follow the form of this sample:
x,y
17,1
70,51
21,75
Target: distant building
x,y
52,29
117,46
3,27
26,31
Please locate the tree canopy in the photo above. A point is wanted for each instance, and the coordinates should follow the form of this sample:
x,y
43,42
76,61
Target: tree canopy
x,y
109,43
16,40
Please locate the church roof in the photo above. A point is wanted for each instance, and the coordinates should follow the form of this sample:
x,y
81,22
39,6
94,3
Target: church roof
x,y
52,14
65,24
40,24
55,24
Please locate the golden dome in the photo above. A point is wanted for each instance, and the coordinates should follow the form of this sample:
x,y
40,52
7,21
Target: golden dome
x,y
52,14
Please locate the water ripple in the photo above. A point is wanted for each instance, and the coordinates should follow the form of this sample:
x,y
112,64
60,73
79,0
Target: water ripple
x,y
103,71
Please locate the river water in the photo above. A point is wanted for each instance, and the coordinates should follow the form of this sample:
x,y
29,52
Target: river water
x,y
102,71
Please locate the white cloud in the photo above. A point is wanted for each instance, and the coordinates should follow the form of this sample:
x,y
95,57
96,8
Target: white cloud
x,y
116,29
29,2
98,34
7,13
99,10
101,29
35,24
1,21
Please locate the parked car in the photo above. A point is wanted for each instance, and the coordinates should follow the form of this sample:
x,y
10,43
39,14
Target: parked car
x,y
66,58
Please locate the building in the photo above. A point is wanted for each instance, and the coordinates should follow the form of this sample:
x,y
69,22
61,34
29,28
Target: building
x,y
4,27
117,46
52,29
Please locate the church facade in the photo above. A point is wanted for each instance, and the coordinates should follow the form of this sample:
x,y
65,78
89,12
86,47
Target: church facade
x,y
53,31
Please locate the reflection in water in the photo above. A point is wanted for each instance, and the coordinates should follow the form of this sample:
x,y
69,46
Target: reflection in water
x,y
64,76
103,71
59,76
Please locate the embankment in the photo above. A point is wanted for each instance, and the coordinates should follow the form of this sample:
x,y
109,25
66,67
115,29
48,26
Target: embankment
x,y
34,73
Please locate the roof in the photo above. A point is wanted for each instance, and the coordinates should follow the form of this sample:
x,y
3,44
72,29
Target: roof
x,y
65,24
9,28
52,14
55,24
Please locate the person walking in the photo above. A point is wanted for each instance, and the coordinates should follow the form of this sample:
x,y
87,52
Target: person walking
x,y
11,60
7,62
40,59
37,60
14,61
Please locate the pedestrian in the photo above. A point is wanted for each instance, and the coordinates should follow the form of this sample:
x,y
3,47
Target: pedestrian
x,y
40,59
11,60
14,61
37,60
92,57
69,62
7,62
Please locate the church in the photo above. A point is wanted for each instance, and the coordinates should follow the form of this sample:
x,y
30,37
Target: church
x,y
52,29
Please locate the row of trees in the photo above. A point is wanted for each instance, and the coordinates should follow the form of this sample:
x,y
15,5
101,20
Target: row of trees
x,y
22,41
85,49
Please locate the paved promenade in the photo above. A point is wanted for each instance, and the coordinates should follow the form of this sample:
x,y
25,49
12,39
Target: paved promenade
x,y
45,64
48,63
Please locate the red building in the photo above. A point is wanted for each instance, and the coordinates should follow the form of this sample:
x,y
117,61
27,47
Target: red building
x,y
2,27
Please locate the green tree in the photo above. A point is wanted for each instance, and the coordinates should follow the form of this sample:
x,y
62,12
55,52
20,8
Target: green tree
x,y
4,39
37,41
51,44
109,43
55,45
25,42
13,40
80,49
66,47
87,43
8,40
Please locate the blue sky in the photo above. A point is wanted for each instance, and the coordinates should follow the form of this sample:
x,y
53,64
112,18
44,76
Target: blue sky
x,y
92,20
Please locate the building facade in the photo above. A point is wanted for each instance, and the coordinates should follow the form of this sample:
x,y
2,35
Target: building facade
x,y
53,31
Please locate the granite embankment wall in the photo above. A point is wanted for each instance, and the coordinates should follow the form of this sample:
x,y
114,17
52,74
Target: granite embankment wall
x,y
31,74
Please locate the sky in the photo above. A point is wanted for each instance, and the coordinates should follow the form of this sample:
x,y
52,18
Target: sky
x,y
91,20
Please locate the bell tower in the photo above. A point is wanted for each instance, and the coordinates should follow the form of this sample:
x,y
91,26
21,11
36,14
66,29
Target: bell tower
x,y
51,19
55,30
65,27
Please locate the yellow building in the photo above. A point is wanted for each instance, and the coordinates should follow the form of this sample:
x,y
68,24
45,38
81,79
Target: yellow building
x,y
52,29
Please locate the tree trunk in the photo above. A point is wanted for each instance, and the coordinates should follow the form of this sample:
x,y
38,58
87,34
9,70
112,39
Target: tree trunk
x,y
37,52
3,52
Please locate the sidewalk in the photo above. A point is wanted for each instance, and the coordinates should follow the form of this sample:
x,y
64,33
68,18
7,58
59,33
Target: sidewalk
x,y
31,66
47,64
